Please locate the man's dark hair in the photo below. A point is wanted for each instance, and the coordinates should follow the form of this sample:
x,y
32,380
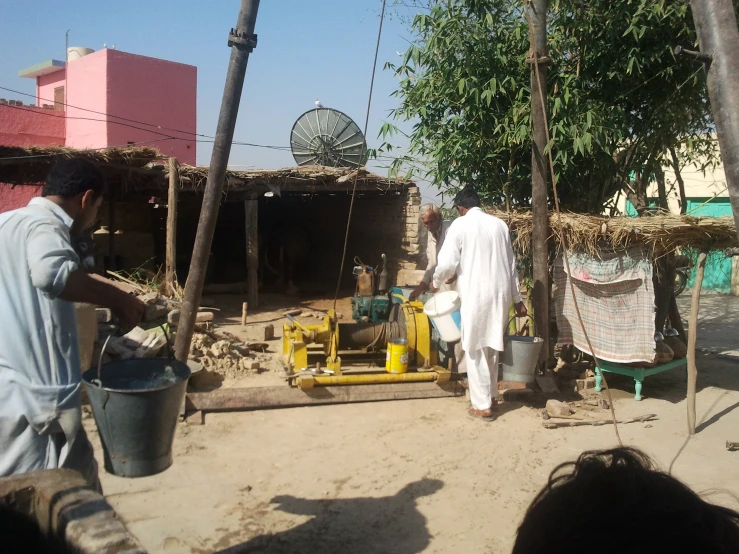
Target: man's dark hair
x,y
73,176
615,501
467,198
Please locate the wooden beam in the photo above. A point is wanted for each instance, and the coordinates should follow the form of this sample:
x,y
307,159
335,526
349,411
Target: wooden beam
x,y
251,211
171,260
111,231
692,339
259,398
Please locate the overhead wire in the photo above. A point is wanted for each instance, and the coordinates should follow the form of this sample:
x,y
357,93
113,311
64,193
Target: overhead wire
x,y
364,150
52,114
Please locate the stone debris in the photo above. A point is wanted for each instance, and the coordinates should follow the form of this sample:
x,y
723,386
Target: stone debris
x,y
555,408
173,317
104,315
225,357
269,332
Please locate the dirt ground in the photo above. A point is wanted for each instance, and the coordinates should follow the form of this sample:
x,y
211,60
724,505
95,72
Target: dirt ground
x,y
400,477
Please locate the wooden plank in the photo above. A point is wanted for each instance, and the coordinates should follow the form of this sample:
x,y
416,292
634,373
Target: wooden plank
x,y
251,210
259,398
171,255
692,338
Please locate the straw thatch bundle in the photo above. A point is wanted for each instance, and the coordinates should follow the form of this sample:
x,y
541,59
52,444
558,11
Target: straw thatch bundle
x,y
318,177
30,164
590,233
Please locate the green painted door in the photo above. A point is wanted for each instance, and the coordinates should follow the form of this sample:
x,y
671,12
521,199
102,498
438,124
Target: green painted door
x,y
717,276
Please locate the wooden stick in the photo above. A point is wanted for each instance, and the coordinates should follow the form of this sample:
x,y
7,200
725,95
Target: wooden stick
x,y
171,254
596,422
244,307
251,213
692,339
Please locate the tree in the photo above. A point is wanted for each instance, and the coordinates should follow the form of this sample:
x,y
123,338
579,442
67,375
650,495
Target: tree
x,y
619,100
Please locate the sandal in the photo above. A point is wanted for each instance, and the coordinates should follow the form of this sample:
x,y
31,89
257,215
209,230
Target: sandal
x,y
485,415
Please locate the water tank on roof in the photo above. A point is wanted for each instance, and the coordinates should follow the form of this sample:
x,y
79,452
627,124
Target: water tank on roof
x,y
74,52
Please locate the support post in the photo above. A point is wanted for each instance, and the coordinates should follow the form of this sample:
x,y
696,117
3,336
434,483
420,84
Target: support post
x,y
251,211
539,199
112,265
171,259
242,41
715,24
692,339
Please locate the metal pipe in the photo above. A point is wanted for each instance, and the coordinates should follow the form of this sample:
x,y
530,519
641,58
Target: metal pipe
x,y
715,24
242,41
308,381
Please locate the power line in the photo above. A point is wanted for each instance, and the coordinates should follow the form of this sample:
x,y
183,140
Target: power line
x,y
169,137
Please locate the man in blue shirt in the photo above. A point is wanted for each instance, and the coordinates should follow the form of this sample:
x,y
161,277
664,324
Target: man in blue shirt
x,y
40,279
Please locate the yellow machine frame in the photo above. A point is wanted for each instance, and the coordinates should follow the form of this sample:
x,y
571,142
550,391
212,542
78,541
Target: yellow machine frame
x,y
296,337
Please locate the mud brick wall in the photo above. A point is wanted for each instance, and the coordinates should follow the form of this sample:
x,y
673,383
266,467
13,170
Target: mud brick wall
x,y
63,505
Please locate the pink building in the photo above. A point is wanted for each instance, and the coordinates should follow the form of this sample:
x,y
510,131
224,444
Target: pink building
x,y
102,99
113,98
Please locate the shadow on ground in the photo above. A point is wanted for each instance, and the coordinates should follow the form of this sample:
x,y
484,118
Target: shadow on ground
x,y
672,385
357,525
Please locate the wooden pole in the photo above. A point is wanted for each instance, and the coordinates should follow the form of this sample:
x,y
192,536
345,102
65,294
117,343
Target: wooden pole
x,y
171,260
251,210
692,339
539,200
244,308
718,35
112,265
242,41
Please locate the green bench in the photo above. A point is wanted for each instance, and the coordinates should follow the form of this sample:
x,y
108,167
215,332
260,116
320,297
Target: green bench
x,y
638,373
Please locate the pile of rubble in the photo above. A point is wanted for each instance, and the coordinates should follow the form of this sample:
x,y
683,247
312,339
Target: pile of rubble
x,y
222,353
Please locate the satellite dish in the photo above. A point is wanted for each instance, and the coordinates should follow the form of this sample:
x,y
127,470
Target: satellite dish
x,y
323,136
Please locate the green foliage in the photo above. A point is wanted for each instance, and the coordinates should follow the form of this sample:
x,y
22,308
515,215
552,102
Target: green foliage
x,y
618,98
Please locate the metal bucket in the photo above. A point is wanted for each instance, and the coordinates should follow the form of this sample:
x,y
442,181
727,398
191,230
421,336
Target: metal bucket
x,y
519,358
136,404
396,360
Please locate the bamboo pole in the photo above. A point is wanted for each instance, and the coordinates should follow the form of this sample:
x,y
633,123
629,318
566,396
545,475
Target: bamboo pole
x,y
171,257
692,339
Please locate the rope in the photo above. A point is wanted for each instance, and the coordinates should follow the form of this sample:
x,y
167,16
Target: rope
x,y
364,149
535,56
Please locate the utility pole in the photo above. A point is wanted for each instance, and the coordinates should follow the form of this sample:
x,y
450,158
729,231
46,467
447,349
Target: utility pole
x,y
242,41
715,23
538,56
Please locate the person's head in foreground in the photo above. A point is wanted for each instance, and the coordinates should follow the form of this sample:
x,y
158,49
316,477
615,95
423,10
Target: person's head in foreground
x,y
466,199
616,501
78,186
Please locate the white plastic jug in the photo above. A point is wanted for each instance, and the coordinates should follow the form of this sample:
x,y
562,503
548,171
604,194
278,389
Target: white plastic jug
x,y
443,311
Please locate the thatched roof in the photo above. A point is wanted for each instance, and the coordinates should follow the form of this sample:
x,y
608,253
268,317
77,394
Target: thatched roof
x,y
296,179
662,233
30,164
142,169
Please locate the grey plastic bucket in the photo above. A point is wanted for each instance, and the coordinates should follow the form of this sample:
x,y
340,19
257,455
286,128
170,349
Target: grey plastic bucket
x,y
519,358
136,411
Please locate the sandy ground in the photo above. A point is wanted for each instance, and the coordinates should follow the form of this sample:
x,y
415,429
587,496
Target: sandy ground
x,y
405,477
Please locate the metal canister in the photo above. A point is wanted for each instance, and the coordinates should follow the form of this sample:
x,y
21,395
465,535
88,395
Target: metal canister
x,y
396,360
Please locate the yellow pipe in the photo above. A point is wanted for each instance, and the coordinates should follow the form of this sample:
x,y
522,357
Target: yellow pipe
x,y
308,381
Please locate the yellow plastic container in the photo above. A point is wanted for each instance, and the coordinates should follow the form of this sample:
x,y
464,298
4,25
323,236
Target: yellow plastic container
x,y
396,360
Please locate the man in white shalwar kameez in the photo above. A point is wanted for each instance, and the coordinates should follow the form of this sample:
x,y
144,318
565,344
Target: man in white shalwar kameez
x,y
478,248
40,279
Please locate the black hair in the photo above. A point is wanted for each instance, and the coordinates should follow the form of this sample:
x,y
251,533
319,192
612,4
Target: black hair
x,y
21,534
616,501
467,198
74,176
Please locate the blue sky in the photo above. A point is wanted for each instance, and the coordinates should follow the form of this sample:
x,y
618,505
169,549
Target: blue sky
x,y
307,50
